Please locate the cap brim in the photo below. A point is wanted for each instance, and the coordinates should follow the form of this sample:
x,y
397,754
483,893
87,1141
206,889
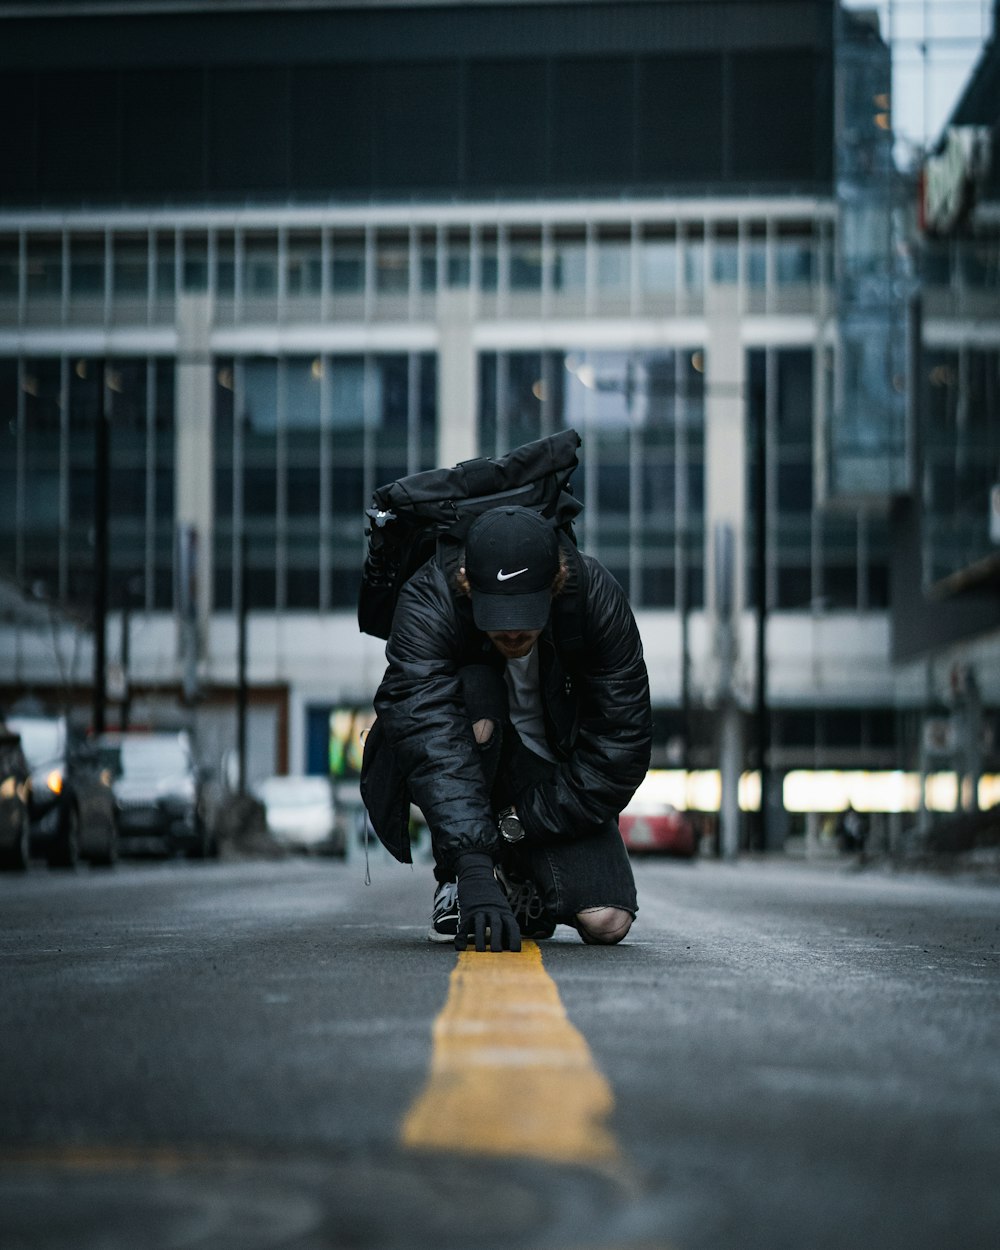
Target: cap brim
x,y
505,612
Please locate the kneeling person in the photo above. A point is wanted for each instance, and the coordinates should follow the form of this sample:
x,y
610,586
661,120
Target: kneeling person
x,y
520,737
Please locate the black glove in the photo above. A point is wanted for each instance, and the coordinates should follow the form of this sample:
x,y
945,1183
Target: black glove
x,y
483,905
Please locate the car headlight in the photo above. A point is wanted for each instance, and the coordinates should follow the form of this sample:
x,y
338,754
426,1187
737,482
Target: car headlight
x,y
51,781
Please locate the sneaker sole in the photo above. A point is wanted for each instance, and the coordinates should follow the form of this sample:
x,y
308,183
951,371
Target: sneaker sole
x,y
434,936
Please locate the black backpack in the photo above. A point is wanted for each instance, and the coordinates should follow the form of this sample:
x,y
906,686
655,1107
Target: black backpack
x,y
429,513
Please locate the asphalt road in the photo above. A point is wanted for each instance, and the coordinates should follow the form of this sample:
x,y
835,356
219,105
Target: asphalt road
x,y
222,1056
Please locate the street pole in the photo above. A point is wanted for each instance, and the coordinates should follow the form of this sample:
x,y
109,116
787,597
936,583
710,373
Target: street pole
x,y
685,691
241,663
131,597
126,649
729,721
101,507
761,716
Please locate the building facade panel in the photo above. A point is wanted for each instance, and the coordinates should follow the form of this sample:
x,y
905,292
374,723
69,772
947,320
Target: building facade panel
x,y
328,248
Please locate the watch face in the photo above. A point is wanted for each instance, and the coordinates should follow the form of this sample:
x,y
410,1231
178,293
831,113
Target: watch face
x,y
511,828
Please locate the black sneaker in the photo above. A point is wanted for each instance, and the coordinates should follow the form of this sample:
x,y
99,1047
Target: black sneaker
x,y
526,904
444,914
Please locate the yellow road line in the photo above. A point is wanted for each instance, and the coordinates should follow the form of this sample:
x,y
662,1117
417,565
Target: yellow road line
x,y
509,1074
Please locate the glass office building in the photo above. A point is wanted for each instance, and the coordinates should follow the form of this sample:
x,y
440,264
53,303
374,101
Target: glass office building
x,y
291,253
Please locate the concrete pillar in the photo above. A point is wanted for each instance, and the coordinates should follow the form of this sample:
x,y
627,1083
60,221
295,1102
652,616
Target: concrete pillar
x,y
193,500
725,505
813,822
730,765
725,437
457,391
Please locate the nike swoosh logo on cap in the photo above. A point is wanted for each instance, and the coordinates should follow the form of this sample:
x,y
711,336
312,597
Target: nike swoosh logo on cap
x,y
505,577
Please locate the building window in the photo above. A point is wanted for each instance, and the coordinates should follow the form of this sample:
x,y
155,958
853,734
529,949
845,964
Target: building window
x,y
43,486
614,264
694,261
131,267
458,266
86,267
225,266
794,260
525,263
658,264
304,266
194,275
300,444
725,255
817,560
260,267
961,452
569,263
45,269
641,418
48,480
755,256
166,269
392,265
347,265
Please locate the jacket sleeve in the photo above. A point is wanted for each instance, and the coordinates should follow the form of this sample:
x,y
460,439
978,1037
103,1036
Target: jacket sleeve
x,y
423,713
612,749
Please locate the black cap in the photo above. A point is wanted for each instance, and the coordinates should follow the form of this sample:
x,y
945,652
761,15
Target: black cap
x,y
511,560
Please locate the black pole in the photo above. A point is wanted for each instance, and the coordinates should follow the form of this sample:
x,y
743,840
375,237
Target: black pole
x,y
241,664
131,598
101,484
682,607
763,724
126,648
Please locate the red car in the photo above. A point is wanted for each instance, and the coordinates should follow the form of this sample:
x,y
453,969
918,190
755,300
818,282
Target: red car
x,y
657,829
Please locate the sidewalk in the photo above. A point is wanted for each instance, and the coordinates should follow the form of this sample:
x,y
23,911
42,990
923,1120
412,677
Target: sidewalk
x,y
978,862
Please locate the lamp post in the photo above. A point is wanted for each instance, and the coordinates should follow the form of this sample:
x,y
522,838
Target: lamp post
x,y
101,484
761,711
241,663
133,587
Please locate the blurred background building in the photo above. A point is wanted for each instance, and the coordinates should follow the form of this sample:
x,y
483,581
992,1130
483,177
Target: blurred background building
x,y
258,259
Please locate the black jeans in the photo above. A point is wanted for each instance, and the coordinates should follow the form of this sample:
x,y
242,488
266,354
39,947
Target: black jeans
x,y
571,874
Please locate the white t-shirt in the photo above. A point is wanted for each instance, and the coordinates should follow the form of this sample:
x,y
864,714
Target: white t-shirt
x,y
526,703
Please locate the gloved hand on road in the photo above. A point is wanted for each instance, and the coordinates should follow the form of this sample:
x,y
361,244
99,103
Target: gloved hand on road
x,y
483,905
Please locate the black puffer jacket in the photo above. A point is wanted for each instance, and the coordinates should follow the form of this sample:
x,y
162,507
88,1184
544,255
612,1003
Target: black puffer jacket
x,y
596,708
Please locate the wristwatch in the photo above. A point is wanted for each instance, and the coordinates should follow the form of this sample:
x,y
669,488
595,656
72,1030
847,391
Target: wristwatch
x,y
509,824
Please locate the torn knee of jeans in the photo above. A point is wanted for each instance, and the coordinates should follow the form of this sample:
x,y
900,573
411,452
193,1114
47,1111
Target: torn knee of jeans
x,y
483,730
603,926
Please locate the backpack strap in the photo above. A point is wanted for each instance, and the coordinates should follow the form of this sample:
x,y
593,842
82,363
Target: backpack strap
x,y
449,552
568,610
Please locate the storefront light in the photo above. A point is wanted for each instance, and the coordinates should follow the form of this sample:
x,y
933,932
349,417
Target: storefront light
x,y
989,793
941,792
748,792
816,790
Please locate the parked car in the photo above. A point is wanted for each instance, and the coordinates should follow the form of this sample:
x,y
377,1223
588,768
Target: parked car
x,y
650,826
71,808
301,813
158,792
15,829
